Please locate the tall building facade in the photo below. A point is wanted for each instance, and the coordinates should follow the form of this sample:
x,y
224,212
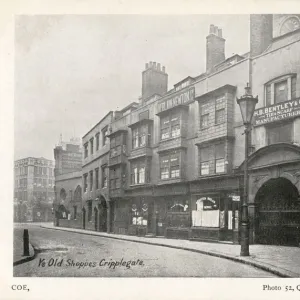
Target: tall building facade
x,y
174,160
33,189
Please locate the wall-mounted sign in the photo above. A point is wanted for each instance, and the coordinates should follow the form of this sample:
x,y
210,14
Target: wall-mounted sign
x,y
177,99
208,203
277,112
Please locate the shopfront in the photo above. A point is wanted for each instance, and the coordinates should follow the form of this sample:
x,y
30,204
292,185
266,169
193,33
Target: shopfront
x,y
215,210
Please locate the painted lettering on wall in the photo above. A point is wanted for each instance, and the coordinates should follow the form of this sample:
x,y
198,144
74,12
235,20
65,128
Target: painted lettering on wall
x,y
277,112
179,98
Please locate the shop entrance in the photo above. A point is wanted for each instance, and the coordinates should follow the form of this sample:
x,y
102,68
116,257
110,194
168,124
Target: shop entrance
x,y
278,221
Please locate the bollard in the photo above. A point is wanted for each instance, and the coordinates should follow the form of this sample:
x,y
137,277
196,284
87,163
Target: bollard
x,y
25,243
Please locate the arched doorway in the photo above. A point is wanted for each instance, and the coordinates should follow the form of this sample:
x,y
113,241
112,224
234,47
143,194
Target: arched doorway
x,y
278,220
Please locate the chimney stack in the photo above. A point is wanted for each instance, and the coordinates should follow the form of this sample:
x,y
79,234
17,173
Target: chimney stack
x,y
215,47
154,80
261,33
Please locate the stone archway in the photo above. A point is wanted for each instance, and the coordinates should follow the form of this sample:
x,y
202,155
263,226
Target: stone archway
x,y
278,209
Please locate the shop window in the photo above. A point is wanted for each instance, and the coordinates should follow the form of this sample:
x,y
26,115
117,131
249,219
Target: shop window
x,y
170,126
97,178
86,150
97,141
178,205
280,133
220,158
85,184
139,214
280,90
204,115
170,165
207,213
104,170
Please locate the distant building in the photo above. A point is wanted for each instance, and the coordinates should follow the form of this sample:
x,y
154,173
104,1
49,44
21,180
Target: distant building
x,y
33,189
68,157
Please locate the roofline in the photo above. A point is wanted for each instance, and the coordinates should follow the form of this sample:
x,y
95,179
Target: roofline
x,y
110,112
33,158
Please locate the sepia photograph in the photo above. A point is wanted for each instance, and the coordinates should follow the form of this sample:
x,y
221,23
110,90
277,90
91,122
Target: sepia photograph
x,y
149,146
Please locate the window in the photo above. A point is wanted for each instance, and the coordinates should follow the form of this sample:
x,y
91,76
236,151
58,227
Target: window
x,y
85,182
104,136
280,133
204,161
86,150
139,136
115,178
90,211
92,145
97,178
104,176
280,90
91,180
220,110
204,115
97,141
75,212
115,146
170,165
220,158
138,172
170,126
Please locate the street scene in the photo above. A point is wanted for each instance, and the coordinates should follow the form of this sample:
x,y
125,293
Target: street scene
x,y
157,146
81,254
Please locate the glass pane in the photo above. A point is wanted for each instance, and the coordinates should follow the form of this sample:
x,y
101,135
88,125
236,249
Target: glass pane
x,y
204,154
220,150
220,116
281,92
220,165
165,133
268,95
175,131
204,121
204,168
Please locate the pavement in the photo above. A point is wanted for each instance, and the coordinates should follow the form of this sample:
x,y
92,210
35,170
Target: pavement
x,y
282,261
18,257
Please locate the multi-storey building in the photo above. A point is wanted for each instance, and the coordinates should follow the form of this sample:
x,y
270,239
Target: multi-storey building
x,y
175,159
33,189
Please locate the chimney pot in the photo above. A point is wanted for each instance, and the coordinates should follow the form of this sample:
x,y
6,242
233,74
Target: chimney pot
x,y
154,65
164,69
158,66
211,28
216,30
150,64
220,32
146,66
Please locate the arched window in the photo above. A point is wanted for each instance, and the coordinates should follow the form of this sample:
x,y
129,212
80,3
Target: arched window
x,y
77,194
63,194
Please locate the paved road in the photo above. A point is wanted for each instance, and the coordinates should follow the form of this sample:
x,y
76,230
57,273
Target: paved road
x,y
77,255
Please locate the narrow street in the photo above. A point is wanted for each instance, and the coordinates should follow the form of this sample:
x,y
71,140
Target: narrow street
x,y
66,254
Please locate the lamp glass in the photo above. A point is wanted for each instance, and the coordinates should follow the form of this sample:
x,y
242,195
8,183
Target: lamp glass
x,y
247,106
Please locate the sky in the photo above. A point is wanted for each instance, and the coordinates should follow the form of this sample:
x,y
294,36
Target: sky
x,y
71,70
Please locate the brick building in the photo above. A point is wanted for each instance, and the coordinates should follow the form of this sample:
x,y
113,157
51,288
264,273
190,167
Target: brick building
x,y
175,159
33,189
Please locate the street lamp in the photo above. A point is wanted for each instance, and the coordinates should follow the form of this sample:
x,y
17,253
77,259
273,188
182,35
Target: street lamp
x,y
247,105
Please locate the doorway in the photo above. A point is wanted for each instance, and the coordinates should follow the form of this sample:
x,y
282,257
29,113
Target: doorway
x,y
103,216
278,220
